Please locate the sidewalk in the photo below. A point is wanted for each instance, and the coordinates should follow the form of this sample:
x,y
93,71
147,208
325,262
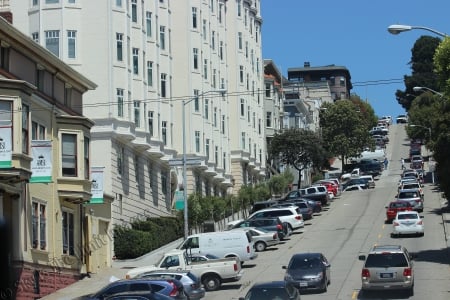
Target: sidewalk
x,y
99,280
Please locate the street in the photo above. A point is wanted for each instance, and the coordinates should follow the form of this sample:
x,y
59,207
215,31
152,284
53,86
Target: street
x,y
349,227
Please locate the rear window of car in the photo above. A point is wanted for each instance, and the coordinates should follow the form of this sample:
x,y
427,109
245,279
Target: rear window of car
x,y
405,195
399,204
386,260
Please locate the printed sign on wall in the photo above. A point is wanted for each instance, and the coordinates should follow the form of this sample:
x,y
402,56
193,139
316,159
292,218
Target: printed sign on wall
x,y
41,165
5,144
97,185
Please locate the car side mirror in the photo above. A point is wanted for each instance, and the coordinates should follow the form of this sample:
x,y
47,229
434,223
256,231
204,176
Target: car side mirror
x,y
284,267
362,257
386,207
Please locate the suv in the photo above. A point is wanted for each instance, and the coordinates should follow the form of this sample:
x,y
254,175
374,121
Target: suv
x,y
270,224
412,196
290,215
387,267
261,205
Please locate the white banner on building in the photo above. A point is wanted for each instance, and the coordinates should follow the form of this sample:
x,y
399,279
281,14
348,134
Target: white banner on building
x,y
41,165
97,185
5,144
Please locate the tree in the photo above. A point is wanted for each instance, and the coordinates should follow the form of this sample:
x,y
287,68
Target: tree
x,y
345,128
299,148
422,70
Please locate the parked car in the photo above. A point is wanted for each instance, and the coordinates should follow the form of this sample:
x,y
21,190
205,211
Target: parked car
x,y
308,271
305,208
198,257
269,224
413,197
396,206
387,267
169,287
272,290
261,205
412,185
138,295
191,283
355,187
408,222
401,119
290,215
261,237
369,179
356,181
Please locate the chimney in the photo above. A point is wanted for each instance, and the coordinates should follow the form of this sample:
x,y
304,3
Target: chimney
x,y
306,64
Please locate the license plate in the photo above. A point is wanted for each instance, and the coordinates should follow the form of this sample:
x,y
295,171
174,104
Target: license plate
x,y
303,284
386,275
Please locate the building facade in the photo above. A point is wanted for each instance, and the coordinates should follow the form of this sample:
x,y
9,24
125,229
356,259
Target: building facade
x,y
152,60
44,167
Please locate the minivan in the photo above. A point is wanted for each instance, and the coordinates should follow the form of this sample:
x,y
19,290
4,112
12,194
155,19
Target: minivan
x,y
221,244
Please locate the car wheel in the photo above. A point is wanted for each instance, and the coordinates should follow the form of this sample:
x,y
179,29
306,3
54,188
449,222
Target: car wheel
x,y
211,282
411,291
325,286
288,229
260,246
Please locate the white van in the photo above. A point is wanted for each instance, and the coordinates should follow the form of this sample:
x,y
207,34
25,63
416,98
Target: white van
x,y
221,244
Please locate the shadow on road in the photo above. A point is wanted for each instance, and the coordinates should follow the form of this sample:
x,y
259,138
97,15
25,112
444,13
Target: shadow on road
x,y
439,256
383,295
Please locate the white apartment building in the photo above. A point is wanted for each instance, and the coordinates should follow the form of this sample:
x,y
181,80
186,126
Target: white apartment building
x,y
150,59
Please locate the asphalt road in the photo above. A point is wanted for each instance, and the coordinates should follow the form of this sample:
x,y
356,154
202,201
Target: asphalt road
x,y
349,227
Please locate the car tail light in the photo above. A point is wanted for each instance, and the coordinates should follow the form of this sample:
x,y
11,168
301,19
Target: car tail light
x,y
407,272
279,227
235,267
275,236
298,217
248,249
175,291
365,273
395,223
420,222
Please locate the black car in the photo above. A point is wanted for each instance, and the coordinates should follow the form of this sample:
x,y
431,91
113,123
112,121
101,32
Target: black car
x,y
269,224
272,290
261,205
308,271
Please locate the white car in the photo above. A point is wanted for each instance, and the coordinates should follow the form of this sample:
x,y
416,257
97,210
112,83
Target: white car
x,y
290,215
407,222
355,187
261,238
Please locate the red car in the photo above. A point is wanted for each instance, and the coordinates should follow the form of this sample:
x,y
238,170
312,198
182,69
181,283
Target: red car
x,y
396,206
331,187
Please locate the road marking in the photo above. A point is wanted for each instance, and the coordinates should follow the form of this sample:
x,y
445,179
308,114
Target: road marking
x,y
354,294
379,236
384,225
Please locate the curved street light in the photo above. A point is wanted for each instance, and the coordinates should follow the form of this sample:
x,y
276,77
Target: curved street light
x,y
184,103
423,88
397,28
421,126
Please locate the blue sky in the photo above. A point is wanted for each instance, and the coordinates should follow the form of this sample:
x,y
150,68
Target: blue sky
x,y
351,33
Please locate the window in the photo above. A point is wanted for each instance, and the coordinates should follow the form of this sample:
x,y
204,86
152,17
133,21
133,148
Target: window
x,y
342,81
39,228
69,155
164,182
120,159
205,69
163,85
162,37
135,61
223,124
243,140
150,122
37,131
134,11
136,168
148,23
195,55
194,17
254,119
87,150
240,40
119,46
150,174
68,96
207,141
220,12
196,101
246,49
150,73
164,132
205,35
242,107
119,3
35,2
224,162
248,113
4,58
241,74
137,113
197,141
51,1
268,90
216,154
332,81
35,37
213,40
221,50
268,119
119,93
215,117
206,109
52,41
259,126
260,155
25,127
71,43
214,78
68,233
239,8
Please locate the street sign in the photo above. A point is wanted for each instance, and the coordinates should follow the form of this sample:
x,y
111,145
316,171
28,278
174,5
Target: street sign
x,y
177,162
179,200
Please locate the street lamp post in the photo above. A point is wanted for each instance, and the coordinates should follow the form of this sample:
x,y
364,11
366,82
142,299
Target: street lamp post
x,y
184,103
397,28
423,88
428,128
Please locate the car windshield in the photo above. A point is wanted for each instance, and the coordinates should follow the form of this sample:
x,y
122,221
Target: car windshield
x,y
305,263
386,260
267,294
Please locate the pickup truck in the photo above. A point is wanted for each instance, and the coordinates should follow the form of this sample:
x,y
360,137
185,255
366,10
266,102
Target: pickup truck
x,y
212,273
